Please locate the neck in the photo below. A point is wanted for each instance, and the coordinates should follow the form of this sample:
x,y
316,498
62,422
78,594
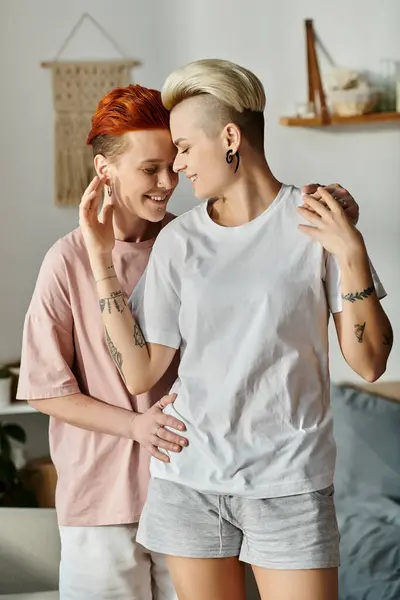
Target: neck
x,y
250,194
131,228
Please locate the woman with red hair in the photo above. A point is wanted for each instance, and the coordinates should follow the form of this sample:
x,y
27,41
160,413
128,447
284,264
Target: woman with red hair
x,y
100,435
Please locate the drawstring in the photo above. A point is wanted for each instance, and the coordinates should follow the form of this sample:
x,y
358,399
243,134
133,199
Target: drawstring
x,y
220,525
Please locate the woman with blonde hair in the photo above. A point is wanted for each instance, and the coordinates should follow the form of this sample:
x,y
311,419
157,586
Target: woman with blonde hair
x,y
242,285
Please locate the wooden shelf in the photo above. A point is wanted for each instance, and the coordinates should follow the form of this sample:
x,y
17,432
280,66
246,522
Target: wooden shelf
x,y
389,117
16,408
316,96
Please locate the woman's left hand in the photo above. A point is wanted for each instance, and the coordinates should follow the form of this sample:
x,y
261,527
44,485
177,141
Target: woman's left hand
x,y
329,224
98,232
349,205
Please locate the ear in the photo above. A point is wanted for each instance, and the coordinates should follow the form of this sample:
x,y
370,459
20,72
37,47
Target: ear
x,y
232,137
101,165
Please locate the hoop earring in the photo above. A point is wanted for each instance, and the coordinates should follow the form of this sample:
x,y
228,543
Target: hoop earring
x,y
109,190
229,158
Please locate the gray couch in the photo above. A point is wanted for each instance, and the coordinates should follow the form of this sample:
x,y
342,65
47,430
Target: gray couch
x,y
29,554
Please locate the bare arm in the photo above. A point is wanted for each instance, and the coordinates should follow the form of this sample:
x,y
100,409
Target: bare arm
x,y
148,429
141,365
364,332
87,413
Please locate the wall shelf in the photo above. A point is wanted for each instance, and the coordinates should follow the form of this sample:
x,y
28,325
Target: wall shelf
x,y
316,97
367,119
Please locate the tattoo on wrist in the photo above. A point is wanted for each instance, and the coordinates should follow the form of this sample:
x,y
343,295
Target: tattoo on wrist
x,y
115,354
353,297
388,338
359,329
104,278
138,336
116,299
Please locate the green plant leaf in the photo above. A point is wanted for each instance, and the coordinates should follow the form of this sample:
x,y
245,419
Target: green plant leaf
x,y
8,471
5,446
15,432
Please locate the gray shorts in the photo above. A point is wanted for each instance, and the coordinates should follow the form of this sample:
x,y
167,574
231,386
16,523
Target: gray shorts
x,y
291,532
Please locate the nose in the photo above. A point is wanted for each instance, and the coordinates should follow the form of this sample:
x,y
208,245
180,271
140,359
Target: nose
x,y
179,163
167,179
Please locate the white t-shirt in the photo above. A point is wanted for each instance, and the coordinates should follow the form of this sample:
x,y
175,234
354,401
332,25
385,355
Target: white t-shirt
x,y
248,308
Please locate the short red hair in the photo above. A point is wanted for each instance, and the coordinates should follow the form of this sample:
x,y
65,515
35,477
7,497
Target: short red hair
x,y
125,109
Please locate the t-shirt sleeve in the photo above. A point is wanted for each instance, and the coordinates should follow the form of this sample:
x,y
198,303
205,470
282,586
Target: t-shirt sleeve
x,y
47,344
155,302
333,287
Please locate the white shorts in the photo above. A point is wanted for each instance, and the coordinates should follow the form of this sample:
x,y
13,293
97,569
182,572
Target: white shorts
x,y
107,563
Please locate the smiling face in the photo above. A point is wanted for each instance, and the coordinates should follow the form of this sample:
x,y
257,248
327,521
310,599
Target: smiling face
x,y
201,148
142,177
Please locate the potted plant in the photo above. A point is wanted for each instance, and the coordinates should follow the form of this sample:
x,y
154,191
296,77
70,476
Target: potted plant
x,y
13,489
6,378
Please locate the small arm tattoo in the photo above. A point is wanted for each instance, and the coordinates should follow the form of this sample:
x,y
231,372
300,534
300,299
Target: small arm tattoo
x,y
104,278
116,299
115,354
388,338
138,336
353,297
359,329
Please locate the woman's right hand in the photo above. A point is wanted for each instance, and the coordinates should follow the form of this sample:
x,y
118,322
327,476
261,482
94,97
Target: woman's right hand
x,y
98,234
149,430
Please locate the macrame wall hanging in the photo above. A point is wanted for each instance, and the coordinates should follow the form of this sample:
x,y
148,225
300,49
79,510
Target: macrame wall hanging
x,y
77,88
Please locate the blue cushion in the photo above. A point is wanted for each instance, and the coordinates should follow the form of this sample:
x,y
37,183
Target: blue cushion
x,y
367,433
367,483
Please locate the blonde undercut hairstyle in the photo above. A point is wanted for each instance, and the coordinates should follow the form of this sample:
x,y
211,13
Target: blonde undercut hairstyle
x,y
232,94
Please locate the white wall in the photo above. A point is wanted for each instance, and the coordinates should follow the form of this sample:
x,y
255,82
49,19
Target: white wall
x,y
263,35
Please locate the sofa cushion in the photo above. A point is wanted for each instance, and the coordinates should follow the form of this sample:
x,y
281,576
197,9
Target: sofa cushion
x,y
367,483
29,550
366,428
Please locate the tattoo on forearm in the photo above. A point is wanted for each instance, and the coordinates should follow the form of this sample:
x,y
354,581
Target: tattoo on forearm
x,y
138,336
388,338
115,354
350,297
116,299
359,329
104,278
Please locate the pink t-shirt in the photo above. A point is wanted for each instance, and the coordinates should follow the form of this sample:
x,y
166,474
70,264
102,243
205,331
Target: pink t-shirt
x,y
102,479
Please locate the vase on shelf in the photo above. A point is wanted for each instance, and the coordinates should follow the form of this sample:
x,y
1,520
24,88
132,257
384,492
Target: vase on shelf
x,y
389,73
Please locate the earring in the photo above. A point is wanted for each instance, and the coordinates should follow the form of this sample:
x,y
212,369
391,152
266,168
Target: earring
x,y
109,190
229,158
